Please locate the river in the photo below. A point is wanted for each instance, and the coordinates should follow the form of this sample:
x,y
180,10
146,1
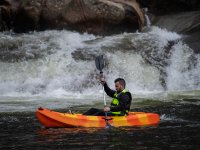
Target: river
x,y
56,70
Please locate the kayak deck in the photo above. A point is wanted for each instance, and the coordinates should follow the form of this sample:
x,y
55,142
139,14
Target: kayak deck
x,y
53,119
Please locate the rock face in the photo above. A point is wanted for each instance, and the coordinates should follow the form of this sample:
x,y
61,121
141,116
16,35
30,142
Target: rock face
x,y
181,16
186,23
93,16
164,7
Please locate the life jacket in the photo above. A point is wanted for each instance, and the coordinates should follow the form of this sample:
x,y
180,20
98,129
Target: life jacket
x,y
115,102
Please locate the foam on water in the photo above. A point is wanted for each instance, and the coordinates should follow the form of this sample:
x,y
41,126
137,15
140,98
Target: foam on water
x,y
53,72
184,70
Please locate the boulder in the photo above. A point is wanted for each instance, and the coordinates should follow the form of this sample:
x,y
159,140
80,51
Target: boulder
x,y
92,16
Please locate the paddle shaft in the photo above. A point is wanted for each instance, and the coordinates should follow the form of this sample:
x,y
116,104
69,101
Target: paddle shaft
x,y
99,61
104,96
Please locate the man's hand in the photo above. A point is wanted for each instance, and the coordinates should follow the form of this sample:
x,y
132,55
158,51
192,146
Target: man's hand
x,y
102,79
106,109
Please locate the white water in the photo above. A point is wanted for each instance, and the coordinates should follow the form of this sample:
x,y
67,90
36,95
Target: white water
x,y
53,78
179,76
148,21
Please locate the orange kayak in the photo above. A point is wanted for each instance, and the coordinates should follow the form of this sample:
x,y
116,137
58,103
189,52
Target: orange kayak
x,y
53,119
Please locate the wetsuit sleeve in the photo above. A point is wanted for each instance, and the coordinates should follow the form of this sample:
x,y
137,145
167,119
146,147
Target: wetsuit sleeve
x,y
124,103
108,91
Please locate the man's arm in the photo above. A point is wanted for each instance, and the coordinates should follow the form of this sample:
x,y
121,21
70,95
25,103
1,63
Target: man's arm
x,y
108,91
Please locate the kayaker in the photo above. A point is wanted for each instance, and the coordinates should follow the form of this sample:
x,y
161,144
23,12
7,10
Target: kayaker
x,y
121,101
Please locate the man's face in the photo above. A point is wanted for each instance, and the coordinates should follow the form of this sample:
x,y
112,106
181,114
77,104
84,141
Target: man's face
x,y
118,87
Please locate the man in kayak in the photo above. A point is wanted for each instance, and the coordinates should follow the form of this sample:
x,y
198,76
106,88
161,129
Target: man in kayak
x,y
121,101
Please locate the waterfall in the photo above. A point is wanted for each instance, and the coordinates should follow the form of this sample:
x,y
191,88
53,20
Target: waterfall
x,y
56,63
147,20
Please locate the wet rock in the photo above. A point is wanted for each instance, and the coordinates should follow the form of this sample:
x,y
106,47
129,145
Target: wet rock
x,y
187,23
93,16
27,17
193,41
163,7
5,18
180,16
82,54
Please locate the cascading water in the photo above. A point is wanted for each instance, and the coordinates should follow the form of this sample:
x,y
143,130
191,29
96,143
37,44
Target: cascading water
x,y
184,69
148,21
60,64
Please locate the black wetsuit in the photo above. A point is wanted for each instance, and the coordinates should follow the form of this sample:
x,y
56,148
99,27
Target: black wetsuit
x,y
124,103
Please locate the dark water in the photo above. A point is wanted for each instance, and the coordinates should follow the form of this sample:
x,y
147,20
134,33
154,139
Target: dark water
x,y
179,129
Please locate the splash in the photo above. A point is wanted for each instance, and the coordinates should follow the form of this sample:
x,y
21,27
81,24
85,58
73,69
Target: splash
x,y
61,63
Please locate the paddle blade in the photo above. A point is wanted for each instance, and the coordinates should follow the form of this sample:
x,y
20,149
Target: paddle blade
x,y
100,63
